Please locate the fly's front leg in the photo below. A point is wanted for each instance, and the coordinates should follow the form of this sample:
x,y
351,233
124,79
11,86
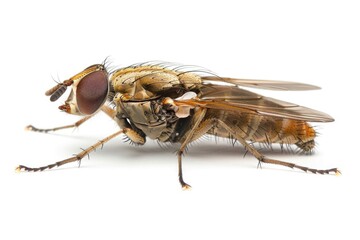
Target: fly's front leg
x,y
46,130
109,111
133,135
130,133
77,157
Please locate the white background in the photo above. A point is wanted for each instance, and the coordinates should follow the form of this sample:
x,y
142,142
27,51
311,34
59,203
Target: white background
x,y
124,192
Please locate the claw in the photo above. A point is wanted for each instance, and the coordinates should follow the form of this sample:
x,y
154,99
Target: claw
x,y
29,128
186,187
18,169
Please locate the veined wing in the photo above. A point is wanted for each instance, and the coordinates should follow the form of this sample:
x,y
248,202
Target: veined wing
x,y
263,84
236,99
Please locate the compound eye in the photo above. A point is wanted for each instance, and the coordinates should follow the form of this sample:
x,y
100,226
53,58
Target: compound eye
x,y
91,92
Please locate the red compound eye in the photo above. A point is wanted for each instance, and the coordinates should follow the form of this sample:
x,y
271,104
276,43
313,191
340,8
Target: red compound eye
x,y
91,92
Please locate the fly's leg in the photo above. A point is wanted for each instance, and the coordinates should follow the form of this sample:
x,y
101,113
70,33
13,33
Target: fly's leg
x,y
133,135
264,159
190,136
130,133
76,124
109,111
77,157
184,185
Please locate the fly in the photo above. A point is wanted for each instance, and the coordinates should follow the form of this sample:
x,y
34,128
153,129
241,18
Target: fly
x,y
170,105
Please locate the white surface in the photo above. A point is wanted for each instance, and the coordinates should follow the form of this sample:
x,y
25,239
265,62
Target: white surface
x,y
133,193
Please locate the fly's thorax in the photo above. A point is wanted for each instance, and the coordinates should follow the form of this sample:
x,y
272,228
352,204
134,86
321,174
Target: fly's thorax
x,y
147,82
155,119
140,95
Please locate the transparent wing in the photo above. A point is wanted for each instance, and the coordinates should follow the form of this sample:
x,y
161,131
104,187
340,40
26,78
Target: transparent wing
x,y
263,84
236,99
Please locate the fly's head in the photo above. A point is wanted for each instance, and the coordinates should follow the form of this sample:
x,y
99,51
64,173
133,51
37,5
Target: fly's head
x,y
89,92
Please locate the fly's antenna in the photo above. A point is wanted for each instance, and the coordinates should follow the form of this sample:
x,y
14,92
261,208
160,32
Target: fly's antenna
x,y
57,91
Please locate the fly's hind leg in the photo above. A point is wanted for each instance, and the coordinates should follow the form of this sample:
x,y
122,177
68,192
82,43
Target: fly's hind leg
x,y
213,123
263,159
77,157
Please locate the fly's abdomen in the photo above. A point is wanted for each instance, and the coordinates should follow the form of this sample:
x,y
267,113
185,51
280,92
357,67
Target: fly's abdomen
x,y
266,129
